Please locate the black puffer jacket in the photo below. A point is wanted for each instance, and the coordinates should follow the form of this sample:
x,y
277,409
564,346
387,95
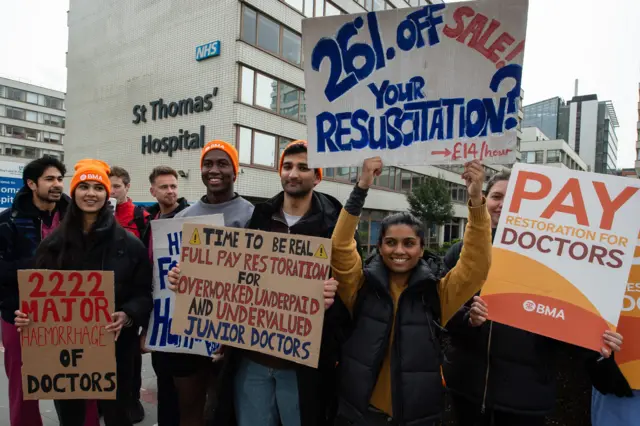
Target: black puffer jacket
x,y
20,235
110,248
416,384
316,387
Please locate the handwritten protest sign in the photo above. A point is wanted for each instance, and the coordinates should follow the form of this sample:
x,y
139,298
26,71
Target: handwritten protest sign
x,y
66,351
431,85
562,253
254,290
167,239
629,326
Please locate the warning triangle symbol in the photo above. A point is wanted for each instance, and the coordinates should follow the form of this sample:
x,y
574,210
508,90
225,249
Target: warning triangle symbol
x,y
195,238
321,252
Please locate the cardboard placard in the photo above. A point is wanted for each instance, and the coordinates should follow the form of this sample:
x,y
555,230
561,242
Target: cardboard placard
x,y
167,241
629,326
66,351
254,290
437,84
562,253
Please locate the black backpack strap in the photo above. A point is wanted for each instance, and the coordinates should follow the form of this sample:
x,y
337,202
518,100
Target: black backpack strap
x,y
142,224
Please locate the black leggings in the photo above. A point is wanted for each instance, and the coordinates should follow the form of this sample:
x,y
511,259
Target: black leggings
x,y
469,414
71,412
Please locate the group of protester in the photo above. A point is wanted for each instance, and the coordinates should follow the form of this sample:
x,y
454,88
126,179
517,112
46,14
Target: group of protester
x,y
381,359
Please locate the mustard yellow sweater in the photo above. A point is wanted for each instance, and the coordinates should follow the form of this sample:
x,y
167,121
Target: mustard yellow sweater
x,y
458,286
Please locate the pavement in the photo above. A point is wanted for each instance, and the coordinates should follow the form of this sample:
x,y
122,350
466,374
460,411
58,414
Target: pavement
x,y
148,395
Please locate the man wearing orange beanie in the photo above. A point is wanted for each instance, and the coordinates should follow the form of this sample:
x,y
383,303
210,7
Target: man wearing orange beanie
x,y
301,395
193,374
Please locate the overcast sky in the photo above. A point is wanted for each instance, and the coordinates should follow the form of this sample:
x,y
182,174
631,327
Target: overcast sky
x,y
595,41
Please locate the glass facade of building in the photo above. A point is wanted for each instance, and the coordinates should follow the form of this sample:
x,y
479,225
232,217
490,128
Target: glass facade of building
x,y
544,115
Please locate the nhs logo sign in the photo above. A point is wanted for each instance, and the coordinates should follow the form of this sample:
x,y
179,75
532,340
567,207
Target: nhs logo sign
x,y
208,50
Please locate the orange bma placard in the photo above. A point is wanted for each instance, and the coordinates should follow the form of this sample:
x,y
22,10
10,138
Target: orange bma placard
x,y
563,252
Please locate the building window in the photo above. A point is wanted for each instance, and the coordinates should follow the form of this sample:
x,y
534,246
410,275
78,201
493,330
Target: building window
x,y
369,229
266,90
247,83
16,113
269,93
32,116
267,34
53,120
539,157
16,94
451,231
311,8
375,5
291,46
51,137
417,3
259,148
249,19
14,150
54,103
32,98
553,156
458,193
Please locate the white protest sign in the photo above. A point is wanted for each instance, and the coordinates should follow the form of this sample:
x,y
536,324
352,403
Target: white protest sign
x,y
167,241
432,85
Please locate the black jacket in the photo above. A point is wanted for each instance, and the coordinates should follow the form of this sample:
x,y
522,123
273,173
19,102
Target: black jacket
x,y
154,209
20,235
111,248
316,387
510,369
416,383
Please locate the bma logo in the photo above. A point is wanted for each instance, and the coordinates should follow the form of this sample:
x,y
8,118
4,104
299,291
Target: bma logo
x,y
531,306
208,50
91,176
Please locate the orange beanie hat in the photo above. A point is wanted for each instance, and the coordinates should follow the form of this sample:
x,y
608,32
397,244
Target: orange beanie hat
x,y
91,170
227,148
284,152
91,162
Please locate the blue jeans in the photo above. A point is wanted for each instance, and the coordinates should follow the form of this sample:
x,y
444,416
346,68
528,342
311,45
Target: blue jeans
x,y
265,396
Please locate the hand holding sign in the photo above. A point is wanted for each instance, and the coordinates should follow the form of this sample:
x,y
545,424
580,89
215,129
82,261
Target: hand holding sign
x,y
474,178
371,168
120,319
612,341
22,320
478,313
174,277
330,288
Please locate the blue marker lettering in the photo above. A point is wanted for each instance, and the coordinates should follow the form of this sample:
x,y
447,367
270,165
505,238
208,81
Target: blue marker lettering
x,y
174,239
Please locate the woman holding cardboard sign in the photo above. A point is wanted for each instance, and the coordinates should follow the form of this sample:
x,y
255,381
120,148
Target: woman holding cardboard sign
x,y
390,368
90,239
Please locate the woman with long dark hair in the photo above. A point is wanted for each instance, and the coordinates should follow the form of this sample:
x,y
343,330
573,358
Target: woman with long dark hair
x,y
390,365
89,238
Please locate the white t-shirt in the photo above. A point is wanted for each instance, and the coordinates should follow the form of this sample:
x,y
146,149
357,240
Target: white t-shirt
x,y
291,220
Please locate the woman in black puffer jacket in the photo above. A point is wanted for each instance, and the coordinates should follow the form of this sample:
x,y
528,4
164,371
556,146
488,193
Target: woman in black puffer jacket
x,y
89,238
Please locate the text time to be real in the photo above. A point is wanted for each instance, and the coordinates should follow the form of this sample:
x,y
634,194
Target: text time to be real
x,y
66,351
255,290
